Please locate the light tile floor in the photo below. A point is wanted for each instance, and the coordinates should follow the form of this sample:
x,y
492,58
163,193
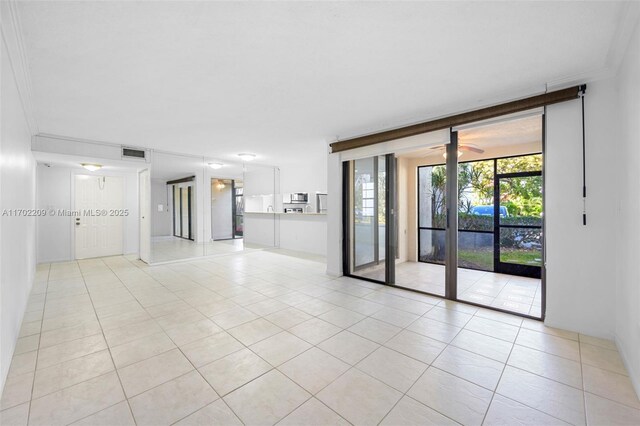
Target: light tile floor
x,y
265,338
515,294
165,249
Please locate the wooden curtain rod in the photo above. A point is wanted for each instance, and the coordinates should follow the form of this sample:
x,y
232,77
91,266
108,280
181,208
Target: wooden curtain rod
x,y
459,119
182,180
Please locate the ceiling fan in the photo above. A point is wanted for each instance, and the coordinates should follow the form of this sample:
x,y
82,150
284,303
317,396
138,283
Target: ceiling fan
x,y
461,149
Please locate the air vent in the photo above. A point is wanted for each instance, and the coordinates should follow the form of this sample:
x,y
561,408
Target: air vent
x,y
134,154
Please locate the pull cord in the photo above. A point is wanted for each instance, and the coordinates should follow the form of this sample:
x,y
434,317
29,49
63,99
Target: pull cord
x,y
583,89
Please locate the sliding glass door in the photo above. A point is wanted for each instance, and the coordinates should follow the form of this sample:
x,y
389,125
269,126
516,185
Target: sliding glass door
x,y
477,216
432,222
369,195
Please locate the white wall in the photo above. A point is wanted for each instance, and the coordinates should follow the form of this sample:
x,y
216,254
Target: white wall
x,y
161,221
54,233
581,261
406,189
305,233
17,191
627,306
56,190
260,229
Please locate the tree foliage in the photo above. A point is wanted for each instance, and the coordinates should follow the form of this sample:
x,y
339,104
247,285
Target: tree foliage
x,y
522,196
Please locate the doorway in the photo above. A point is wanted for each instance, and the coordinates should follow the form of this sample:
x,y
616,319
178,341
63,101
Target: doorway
x,y
227,209
369,193
183,207
238,209
518,235
99,216
472,230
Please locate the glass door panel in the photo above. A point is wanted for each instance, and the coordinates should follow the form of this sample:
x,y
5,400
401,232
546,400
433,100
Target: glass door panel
x,y
368,185
432,209
500,216
238,209
475,215
520,222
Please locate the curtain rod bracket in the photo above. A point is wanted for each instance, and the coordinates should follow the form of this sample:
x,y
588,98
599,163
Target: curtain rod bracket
x,y
582,89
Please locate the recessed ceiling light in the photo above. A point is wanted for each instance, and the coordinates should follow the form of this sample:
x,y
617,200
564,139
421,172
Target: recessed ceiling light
x,y
246,156
216,165
91,166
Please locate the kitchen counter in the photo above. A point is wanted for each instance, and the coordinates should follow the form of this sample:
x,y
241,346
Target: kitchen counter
x,y
289,214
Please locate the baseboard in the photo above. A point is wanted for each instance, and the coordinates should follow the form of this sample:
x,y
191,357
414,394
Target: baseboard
x,y
634,375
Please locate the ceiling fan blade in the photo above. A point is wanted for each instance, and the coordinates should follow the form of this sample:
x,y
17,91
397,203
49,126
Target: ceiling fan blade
x,y
470,148
437,147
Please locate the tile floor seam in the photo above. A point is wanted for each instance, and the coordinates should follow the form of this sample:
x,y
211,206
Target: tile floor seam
x,y
544,377
584,394
218,399
93,414
351,367
406,394
321,402
504,367
246,383
612,400
35,368
549,353
109,348
348,296
536,409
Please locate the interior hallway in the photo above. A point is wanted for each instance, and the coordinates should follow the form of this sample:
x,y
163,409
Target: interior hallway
x,y
265,338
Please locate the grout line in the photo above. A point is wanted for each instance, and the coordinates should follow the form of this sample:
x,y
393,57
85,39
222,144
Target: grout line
x,y
584,394
35,369
504,367
107,344
347,295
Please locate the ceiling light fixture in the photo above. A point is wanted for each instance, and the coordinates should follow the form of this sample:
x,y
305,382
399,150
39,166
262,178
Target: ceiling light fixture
x,y
221,185
216,165
91,166
246,156
459,154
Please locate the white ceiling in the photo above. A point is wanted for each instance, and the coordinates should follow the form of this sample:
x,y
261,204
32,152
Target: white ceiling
x,y
509,137
273,78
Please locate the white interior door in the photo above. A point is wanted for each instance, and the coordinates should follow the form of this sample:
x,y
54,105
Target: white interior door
x,y
145,211
99,224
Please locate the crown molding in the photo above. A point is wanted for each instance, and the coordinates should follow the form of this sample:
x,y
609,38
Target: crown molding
x,y
629,19
17,58
624,31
